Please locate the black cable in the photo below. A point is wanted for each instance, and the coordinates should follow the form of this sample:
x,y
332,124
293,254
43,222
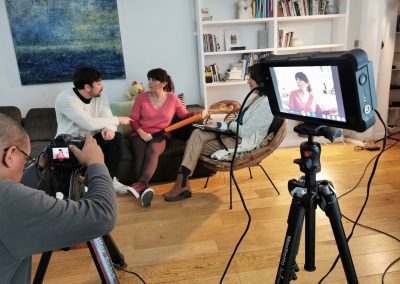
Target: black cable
x,y
232,176
365,226
381,232
387,268
366,167
131,272
366,198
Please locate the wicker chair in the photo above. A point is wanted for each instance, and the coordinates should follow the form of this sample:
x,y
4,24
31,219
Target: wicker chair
x,y
252,158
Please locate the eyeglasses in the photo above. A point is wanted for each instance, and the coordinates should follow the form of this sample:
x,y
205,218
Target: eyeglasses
x,y
29,160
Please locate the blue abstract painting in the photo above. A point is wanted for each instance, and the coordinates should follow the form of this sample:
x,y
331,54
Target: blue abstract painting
x,y
52,38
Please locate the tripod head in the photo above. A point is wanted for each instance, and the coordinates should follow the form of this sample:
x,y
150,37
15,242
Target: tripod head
x,y
310,151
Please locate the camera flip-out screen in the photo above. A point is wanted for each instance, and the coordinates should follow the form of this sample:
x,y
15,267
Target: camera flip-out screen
x,y
60,153
333,89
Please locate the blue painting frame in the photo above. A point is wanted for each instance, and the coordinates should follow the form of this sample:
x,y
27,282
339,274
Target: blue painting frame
x,y
52,38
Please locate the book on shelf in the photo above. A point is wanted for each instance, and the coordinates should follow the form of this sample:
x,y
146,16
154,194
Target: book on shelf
x,y
210,43
263,8
289,8
233,73
215,72
284,38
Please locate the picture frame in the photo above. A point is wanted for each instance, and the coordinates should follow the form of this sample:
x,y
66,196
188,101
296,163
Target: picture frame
x,y
232,39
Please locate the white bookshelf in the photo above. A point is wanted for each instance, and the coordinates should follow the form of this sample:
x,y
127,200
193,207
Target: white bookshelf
x,y
316,32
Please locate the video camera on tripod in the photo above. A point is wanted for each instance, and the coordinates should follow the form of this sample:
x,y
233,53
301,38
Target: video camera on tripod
x,y
329,89
67,176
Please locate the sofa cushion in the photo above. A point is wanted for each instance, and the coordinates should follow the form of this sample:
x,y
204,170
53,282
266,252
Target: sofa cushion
x,y
41,124
122,109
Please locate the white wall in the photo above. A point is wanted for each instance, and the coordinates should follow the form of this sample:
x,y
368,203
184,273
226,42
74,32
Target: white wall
x,y
154,33
377,24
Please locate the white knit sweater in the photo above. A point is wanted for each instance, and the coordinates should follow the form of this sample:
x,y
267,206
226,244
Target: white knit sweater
x,y
76,118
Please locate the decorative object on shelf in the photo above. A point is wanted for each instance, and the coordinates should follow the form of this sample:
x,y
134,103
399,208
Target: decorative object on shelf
x,y
232,39
262,39
135,89
245,10
331,8
296,42
205,14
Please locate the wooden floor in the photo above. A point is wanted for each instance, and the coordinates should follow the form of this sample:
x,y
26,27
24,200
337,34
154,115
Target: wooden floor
x,y
191,241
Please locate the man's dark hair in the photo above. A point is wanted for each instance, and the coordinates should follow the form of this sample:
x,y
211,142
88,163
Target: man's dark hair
x,y
86,75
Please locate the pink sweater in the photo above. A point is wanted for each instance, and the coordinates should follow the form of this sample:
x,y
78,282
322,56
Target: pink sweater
x,y
152,119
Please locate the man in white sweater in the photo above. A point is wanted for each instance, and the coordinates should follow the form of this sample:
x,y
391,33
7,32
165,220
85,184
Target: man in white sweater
x,y
83,109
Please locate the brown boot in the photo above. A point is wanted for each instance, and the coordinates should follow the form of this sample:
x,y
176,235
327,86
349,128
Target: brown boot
x,y
178,192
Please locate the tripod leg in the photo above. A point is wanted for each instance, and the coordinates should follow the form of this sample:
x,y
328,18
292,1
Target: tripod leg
x,y
116,256
309,264
292,239
42,267
332,210
102,261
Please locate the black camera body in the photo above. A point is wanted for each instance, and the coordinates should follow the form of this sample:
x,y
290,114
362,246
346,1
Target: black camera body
x,y
58,153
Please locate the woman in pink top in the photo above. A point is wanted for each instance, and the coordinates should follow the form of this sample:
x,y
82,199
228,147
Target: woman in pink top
x,y
152,111
302,99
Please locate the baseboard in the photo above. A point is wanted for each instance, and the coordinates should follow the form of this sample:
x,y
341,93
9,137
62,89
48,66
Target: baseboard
x,y
354,141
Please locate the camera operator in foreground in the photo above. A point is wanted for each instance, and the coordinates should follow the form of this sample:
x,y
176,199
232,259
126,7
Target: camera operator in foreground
x,y
83,109
33,222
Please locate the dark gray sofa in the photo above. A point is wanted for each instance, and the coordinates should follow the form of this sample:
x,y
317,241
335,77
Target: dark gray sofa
x,y
41,125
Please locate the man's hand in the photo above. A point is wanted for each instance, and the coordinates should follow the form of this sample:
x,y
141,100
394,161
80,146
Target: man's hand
x,y
91,152
144,135
108,134
124,120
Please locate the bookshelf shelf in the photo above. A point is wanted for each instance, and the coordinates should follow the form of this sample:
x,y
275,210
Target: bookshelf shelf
x,y
227,83
310,18
236,22
320,32
238,51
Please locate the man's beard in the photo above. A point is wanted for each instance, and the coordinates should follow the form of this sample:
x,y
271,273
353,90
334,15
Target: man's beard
x,y
98,94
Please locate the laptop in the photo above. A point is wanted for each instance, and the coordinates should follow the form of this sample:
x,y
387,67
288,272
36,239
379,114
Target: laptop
x,y
213,129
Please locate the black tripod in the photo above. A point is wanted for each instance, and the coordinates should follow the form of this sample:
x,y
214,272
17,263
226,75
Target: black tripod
x,y
104,250
307,194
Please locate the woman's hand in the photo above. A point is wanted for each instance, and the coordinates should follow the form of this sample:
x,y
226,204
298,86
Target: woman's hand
x,y
211,123
144,135
204,113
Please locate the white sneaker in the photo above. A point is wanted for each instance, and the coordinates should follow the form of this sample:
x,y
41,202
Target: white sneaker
x,y
146,197
119,187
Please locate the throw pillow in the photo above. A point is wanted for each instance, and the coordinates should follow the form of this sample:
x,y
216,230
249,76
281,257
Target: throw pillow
x,y
122,109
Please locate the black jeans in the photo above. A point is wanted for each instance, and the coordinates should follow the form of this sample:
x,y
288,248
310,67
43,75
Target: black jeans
x,y
112,150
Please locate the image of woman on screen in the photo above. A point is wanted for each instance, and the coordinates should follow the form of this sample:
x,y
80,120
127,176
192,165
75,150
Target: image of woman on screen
x,y
302,99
